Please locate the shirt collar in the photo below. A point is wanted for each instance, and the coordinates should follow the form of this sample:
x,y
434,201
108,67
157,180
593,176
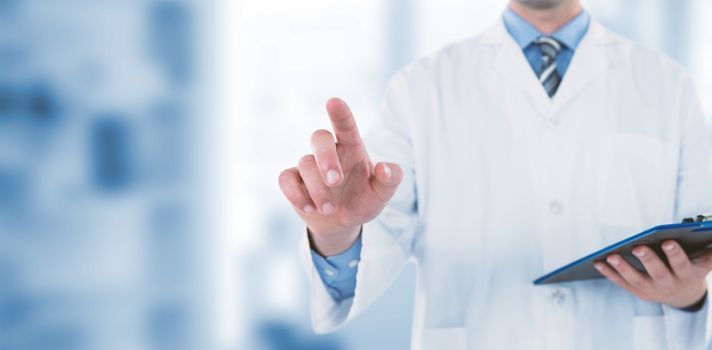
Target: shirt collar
x,y
570,34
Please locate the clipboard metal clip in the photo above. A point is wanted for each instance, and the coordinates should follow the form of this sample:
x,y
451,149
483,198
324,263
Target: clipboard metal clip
x,y
699,218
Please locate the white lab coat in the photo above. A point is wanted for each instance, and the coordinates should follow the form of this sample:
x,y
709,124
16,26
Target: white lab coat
x,y
503,184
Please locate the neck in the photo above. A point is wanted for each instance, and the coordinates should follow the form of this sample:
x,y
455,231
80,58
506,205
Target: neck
x,y
547,20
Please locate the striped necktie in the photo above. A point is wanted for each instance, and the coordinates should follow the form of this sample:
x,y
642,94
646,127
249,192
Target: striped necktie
x,y
548,75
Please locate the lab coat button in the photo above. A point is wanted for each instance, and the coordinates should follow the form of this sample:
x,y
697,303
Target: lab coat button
x,y
558,296
552,122
556,207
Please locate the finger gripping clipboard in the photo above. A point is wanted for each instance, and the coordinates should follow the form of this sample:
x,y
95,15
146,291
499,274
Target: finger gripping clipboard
x,y
693,237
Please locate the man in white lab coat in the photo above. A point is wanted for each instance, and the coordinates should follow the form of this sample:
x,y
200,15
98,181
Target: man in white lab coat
x,y
508,155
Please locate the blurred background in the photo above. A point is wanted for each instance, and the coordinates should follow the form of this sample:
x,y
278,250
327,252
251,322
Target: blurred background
x,y
140,143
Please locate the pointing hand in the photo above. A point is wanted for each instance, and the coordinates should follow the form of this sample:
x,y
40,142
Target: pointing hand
x,y
337,189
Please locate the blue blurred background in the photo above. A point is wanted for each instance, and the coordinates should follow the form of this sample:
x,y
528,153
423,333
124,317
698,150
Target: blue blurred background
x,y
140,142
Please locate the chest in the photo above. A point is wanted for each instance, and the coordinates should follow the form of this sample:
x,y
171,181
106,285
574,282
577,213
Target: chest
x,y
490,157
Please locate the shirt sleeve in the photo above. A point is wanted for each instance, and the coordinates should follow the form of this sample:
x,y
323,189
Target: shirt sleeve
x,y
696,306
338,272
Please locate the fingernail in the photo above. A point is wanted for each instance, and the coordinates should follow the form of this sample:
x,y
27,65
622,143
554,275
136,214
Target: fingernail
x,y
614,260
387,169
668,246
332,177
598,266
328,208
308,209
639,252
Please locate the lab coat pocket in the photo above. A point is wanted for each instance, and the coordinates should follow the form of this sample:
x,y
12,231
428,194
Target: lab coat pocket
x,y
634,184
649,333
451,338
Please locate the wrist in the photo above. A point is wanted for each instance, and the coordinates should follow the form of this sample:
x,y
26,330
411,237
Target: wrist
x,y
692,299
697,305
333,243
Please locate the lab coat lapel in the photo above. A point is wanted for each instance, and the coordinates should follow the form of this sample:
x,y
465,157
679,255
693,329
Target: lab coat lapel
x,y
588,63
510,62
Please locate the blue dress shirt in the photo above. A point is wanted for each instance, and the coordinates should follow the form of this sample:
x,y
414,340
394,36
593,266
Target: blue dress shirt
x,y
570,34
339,272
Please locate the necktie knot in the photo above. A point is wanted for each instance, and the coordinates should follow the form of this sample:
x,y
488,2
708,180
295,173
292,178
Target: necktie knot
x,y
549,46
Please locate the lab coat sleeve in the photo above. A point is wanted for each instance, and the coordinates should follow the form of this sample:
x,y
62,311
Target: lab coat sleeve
x,y
695,172
387,240
686,330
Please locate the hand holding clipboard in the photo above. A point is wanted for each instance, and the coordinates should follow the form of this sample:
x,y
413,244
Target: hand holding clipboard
x,y
666,263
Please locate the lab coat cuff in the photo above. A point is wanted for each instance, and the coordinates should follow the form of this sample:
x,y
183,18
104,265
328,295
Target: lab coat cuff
x,y
686,329
327,313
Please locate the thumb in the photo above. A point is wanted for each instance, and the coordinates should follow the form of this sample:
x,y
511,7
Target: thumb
x,y
385,180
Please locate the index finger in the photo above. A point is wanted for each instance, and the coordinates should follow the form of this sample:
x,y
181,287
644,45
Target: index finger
x,y
343,123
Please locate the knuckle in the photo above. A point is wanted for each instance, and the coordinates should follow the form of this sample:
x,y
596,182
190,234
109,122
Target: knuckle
x,y
291,193
659,276
631,271
666,291
675,255
702,261
285,177
319,198
321,134
306,161
650,255
647,260
287,182
292,197
637,283
687,277
679,265
622,268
